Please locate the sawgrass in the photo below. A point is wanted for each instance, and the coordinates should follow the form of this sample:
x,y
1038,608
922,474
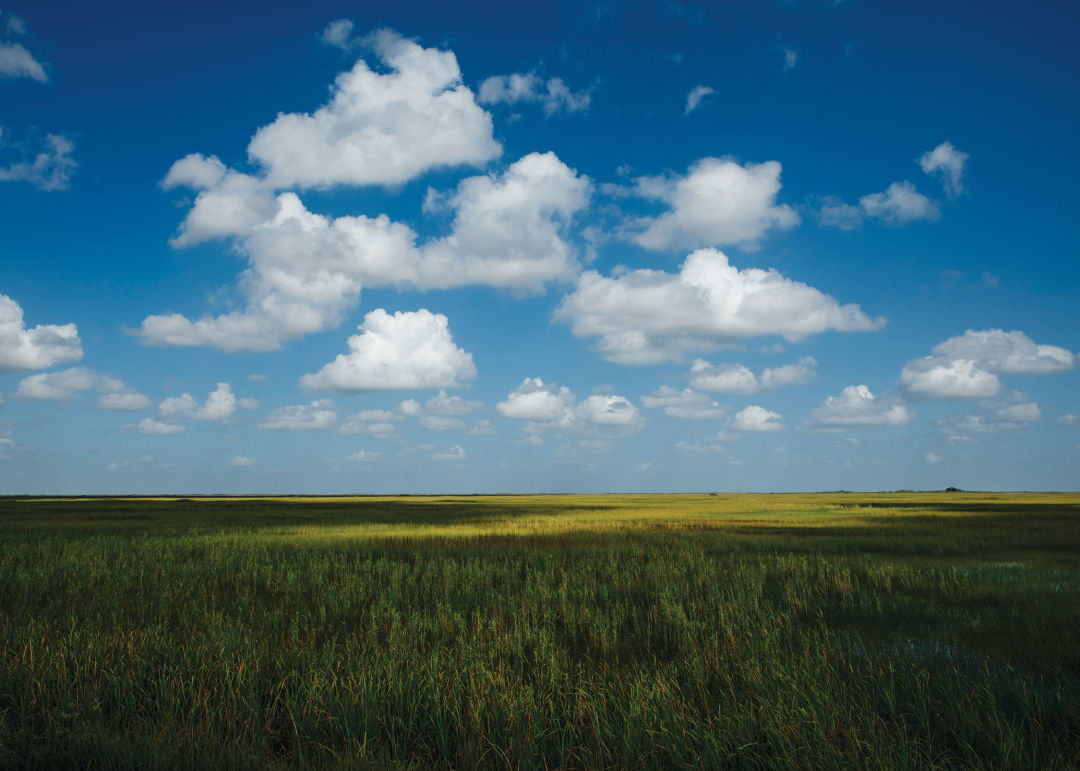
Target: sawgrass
x,y
884,631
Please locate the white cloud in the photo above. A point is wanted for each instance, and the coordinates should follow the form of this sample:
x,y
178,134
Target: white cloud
x,y
554,94
124,400
307,270
57,385
757,419
685,404
437,423
481,428
649,316
242,461
380,128
727,378
375,426
17,62
938,377
837,214
948,162
535,402
152,426
409,350
317,416
337,34
1013,412
441,404
693,99
962,428
50,169
455,454
6,445
1016,407
739,379
608,411
718,202
16,25
547,408
932,457
857,407
69,383
967,366
220,404
899,204
1007,352
696,448
1069,419
365,456
506,229
228,204
791,58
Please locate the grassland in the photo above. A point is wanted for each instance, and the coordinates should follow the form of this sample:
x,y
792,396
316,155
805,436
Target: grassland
x,y
818,631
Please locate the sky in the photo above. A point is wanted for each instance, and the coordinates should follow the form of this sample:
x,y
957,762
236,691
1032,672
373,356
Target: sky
x,y
587,246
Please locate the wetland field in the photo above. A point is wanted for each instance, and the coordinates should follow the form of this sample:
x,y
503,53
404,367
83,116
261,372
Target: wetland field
x,y
891,630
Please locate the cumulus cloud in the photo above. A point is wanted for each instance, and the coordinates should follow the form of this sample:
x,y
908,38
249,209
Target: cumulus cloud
x,y
554,95
220,405
739,379
693,99
506,229
380,128
242,461
649,316
337,34
1007,352
49,168
321,414
1069,419
791,58
858,407
443,405
365,456
947,162
307,270
17,62
409,350
40,347
757,419
152,426
967,366
544,407
536,402
1015,407
718,202
835,213
455,454
938,377
228,202
686,404
70,383
899,204
1013,412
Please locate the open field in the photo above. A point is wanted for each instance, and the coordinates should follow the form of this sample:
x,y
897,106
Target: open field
x,y
697,631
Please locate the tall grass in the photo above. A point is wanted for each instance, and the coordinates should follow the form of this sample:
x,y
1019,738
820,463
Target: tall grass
x,y
600,632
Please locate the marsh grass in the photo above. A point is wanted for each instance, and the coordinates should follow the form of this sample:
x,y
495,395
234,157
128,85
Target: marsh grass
x,y
884,631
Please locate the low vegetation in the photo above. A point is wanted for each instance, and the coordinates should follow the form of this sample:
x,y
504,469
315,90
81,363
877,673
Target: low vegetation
x,y
700,631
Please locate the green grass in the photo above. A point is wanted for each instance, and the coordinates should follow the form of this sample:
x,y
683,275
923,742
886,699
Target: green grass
x,y
879,631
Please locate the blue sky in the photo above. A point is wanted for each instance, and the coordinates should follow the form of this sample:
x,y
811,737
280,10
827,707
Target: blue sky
x,y
580,246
